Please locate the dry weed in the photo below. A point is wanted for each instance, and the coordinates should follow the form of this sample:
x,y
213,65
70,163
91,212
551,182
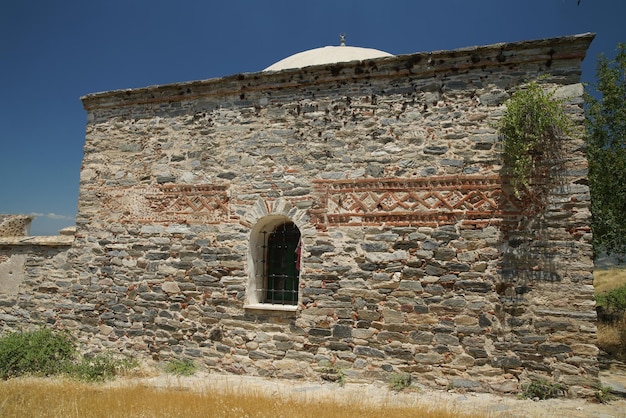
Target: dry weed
x,y
612,339
66,398
611,336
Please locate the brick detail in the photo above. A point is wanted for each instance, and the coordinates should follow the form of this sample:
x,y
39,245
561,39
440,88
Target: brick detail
x,y
179,203
427,201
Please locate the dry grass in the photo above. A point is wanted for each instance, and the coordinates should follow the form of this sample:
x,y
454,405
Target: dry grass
x,y
65,398
611,336
612,339
605,280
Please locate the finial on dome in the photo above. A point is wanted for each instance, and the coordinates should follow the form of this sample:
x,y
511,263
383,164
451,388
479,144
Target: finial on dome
x,y
342,39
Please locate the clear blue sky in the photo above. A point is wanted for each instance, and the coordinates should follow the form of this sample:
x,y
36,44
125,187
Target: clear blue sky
x,y
54,52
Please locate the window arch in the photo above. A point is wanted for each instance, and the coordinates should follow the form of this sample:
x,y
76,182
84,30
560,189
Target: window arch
x,y
275,249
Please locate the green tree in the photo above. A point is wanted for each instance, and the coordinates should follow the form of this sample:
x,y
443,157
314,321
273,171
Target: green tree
x,y
606,151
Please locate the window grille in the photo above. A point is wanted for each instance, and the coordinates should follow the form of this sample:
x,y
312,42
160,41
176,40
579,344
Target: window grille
x,y
281,265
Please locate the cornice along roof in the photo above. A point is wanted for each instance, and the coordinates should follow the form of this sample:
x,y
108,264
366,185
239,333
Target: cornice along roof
x,y
421,64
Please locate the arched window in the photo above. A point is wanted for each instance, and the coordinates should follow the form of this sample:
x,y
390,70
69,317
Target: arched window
x,y
275,250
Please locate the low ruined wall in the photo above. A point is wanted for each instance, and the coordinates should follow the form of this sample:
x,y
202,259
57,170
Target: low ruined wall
x,y
416,257
34,281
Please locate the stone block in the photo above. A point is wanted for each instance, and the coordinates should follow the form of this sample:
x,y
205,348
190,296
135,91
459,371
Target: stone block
x,y
170,287
320,332
585,350
506,362
259,355
446,339
391,336
363,333
392,316
551,349
412,285
342,331
366,351
369,315
505,386
428,358
339,346
463,360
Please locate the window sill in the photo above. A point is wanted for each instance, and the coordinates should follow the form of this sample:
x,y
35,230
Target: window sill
x,y
271,307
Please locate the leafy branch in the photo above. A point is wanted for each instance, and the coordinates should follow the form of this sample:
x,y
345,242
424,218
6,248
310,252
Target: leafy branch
x,y
530,128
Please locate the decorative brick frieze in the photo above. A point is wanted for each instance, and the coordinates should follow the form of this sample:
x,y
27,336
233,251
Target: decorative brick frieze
x,y
191,203
169,203
427,201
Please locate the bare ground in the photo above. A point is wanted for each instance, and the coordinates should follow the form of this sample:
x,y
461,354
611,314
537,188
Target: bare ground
x,y
378,393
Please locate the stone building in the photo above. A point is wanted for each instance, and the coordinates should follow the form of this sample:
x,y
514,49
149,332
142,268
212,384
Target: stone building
x,y
336,215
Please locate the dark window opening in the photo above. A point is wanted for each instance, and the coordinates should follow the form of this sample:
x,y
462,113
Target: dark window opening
x,y
282,265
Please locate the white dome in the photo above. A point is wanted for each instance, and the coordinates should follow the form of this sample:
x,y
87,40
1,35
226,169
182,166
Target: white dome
x,y
327,55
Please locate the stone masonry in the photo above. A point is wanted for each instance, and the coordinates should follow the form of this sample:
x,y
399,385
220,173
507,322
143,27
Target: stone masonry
x,y
31,270
416,256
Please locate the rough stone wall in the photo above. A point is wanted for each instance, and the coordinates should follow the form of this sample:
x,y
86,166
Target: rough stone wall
x,y
14,225
35,285
416,257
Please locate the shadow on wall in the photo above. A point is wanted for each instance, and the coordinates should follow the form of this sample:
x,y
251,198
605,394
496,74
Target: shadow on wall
x,y
538,236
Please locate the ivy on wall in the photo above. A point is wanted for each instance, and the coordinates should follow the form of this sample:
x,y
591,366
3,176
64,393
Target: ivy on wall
x,y
531,127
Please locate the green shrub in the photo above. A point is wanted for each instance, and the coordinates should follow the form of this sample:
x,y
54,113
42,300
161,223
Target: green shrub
x,y
542,389
399,381
181,367
614,300
39,352
603,394
47,353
